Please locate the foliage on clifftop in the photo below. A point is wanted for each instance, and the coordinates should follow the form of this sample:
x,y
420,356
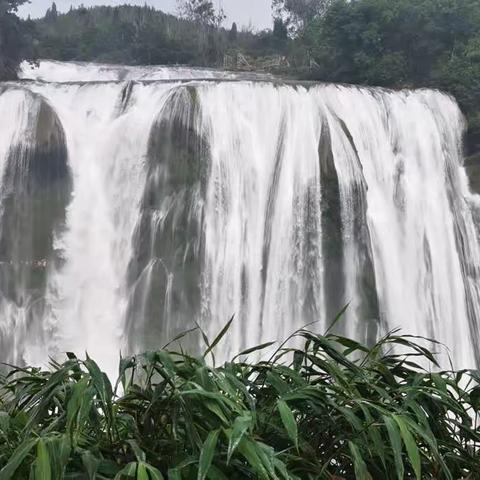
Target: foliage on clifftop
x,y
333,409
14,39
138,35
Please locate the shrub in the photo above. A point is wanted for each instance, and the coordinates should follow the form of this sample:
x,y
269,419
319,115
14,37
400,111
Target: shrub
x,y
333,409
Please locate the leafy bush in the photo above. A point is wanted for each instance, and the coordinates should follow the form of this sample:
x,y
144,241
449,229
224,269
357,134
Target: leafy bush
x,y
333,409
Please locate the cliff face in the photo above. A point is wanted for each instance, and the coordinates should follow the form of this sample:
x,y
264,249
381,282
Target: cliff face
x,y
472,159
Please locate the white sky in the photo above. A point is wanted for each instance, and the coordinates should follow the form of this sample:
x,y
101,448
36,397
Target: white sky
x,y
244,12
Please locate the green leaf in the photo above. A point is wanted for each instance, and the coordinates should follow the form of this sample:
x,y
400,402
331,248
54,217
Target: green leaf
x,y
396,443
16,459
4,422
216,474
337,318
142,472
43,470
263,346
139,453
91,464
475,398
153,473
207,454
361,471
174,474
75,403
130,471
179,337
219,337
215,408
60,448
250,451
240,426
288,420
166,360
411,446
266,454
101,383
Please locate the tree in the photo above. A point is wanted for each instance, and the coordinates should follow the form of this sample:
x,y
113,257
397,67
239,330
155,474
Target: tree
x,y
201,11
233,33
280,31
13,38
52,13
296,14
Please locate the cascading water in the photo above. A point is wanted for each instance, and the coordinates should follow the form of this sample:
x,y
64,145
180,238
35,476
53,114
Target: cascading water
x,y
136,202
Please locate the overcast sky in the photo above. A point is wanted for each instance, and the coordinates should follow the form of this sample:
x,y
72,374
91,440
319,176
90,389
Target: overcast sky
x,y
244,12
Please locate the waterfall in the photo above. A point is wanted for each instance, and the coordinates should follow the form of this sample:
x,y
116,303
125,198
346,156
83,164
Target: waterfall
x,y
137,202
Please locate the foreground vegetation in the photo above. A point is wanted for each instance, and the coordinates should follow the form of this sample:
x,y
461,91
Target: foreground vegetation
x,y
333,409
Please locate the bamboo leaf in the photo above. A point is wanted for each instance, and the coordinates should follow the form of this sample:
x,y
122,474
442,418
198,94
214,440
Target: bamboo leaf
x,y
219,336
174,474
139,453
91,464
240,427
43,470
207,454
130,471
153,473
361,471
8,471
288,420
396,443
411,446
263,346
337,318
4,422
142,472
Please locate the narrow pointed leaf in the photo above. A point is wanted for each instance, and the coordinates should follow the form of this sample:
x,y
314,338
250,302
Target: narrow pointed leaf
x,y
288,420
207,454
8,471
411,446
361,471
396,444
219,336
43,470
240,427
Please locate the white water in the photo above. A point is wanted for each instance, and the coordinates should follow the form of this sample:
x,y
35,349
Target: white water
x,y
52,71
259,206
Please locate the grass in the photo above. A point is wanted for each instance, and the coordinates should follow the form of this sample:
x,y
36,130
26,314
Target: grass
x,y
333,409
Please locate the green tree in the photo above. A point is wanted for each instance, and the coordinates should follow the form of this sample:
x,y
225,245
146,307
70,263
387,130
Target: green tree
x,y
233,33
298,13
14,43
201,11
52,13
280,32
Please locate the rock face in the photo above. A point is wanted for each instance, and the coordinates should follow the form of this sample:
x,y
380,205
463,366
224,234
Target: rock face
x,y
36,187
472,160
168,234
